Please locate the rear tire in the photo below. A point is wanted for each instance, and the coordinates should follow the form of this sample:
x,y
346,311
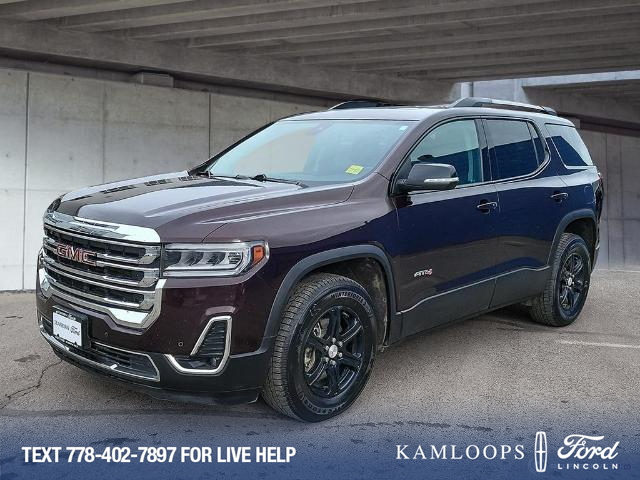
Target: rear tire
x,y
566,290
324,349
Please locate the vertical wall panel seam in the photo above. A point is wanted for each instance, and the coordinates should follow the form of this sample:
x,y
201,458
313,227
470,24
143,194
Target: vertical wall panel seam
x,y
24,191
103,152
210,126
624,256
606,206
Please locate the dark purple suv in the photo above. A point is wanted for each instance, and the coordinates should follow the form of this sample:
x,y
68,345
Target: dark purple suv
x,y
285,263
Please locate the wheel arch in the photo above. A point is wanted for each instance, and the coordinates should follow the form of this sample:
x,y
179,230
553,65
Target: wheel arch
x,y
582,223
336,261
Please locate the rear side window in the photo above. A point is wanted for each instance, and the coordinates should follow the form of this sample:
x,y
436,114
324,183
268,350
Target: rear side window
x,y
570,146
514,148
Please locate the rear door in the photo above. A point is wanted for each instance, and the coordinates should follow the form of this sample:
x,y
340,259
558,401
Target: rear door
x,y
447,241
532,203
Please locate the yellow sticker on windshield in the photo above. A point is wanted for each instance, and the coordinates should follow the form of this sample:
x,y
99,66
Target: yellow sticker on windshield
x,y
354,169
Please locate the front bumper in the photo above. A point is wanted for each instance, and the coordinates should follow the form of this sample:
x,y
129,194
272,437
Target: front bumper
x,y
239,381
187,310
170,336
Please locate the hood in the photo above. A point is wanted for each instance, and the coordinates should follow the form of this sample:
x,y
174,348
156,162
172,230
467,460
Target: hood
x,y
183,208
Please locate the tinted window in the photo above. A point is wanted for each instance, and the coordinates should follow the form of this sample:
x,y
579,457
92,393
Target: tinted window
x,y
570,146
454,143
514,149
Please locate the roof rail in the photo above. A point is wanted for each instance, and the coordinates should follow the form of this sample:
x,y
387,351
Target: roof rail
x,y
506,104
360,103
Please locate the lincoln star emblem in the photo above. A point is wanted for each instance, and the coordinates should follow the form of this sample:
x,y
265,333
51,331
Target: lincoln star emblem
x,y
76,254
541,452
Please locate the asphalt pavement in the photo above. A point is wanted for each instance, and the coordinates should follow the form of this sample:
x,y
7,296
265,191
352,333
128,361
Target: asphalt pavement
x,y
495,378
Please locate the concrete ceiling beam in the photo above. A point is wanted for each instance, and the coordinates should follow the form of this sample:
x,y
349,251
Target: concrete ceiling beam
x,y
41,42
357,42
202,36
365,16
44,9
605,37
196,10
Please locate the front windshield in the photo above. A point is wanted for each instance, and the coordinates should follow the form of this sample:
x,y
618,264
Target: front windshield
x,y
312,151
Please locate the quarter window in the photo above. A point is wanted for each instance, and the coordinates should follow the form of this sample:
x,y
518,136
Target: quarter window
x,y
570,146
454,143
514,148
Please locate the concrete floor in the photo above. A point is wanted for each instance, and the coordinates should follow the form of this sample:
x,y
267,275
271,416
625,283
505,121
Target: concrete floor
x,y
498,376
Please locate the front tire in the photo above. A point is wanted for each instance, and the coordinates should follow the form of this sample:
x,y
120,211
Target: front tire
x,y
566,291
324,349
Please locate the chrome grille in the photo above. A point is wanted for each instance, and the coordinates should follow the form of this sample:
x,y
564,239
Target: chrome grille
x,y
123,281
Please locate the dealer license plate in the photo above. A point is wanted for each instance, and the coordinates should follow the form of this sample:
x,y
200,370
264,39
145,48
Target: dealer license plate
x,y
67,328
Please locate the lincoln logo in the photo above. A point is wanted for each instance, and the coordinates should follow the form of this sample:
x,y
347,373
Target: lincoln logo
x,y
541,452
76,254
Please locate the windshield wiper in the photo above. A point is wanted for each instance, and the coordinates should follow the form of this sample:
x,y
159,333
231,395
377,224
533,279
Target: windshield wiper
x,y
261,177
207,173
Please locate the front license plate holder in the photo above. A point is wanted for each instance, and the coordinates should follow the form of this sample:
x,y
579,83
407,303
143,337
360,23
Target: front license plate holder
x,y
70,328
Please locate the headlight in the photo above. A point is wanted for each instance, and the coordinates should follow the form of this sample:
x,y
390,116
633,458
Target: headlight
x,y
206,260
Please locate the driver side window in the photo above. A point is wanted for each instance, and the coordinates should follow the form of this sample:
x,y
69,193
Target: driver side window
x,y
454,143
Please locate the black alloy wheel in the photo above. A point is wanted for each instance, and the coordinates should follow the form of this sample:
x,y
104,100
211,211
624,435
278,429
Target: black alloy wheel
x,y
565,292
571,284
324,350
334,352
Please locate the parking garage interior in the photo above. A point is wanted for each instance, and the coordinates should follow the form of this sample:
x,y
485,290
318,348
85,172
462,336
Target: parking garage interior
x,y
96,91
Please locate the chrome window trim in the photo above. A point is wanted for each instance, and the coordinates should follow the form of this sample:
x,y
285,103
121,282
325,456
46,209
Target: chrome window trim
x,y
103,230
227,347
111,368
121,316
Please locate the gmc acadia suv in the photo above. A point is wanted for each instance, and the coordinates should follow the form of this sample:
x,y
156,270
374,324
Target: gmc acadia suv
x,y
286,262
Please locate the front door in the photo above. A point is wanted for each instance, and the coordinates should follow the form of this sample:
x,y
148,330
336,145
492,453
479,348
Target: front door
x,y
446,251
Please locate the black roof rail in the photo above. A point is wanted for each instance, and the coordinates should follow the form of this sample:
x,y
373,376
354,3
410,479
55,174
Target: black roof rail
x,y
361,103
492,102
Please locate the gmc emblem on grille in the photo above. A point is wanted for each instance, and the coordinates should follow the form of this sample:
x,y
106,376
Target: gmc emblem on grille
x,y
76,254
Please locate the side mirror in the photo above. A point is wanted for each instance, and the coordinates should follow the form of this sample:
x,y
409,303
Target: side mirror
x,y
429,176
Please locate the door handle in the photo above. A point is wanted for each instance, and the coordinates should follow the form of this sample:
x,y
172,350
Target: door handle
x,y
486,206
559,196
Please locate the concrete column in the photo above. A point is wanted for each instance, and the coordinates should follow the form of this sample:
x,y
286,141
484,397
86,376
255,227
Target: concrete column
x,y
13,115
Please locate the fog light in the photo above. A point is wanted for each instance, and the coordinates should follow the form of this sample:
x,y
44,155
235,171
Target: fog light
x,y
210,352
197,363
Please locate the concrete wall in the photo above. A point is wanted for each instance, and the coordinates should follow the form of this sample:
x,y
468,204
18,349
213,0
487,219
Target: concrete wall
x,y
59,133
618,158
